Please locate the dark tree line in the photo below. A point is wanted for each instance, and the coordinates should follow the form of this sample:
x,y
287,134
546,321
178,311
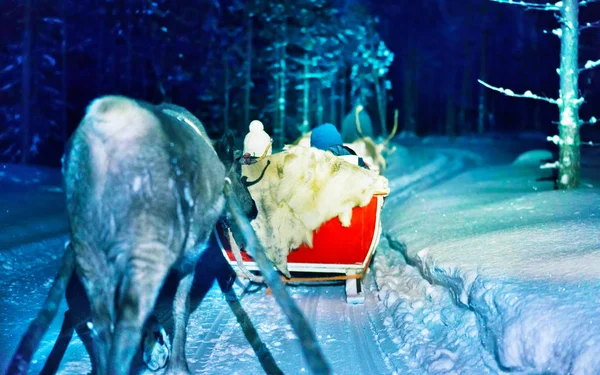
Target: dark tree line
x,y
444,46
290,64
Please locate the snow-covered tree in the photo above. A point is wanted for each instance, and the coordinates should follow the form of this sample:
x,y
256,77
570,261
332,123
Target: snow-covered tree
x,y
569,100
33,78
274,18
369,59
313,58
229,58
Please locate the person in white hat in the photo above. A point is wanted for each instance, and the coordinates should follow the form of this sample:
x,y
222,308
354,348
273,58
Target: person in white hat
x,y
257,141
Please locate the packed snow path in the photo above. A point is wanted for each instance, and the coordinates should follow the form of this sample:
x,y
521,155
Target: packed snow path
x,y
355,339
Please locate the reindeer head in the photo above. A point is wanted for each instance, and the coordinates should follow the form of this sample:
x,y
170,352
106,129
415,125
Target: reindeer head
x,y
225,147
376,151
233,161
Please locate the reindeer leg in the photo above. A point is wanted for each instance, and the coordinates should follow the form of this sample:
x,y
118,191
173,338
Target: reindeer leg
x,y
86,337
60,347
79,315
181,314
138,291
95,277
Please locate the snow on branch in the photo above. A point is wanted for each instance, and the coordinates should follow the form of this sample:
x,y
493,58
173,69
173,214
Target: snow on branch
x,y
591,121
553,165
534,6
526,94
590,25
590,65
557,141
583,3
313,75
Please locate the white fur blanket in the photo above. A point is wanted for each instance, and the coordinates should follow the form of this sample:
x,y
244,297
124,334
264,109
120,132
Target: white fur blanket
x,y
301,189
366,148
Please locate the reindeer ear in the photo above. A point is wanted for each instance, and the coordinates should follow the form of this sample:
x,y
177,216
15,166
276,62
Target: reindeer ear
x,y
229,144
225,148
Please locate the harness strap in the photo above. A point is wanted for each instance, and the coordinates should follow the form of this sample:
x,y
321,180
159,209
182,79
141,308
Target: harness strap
x,y
237,254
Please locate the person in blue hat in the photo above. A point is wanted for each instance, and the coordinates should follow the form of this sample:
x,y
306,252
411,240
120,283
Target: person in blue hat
x,y
326,137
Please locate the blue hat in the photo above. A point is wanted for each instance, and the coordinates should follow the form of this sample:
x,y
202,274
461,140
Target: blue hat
x,y
324,136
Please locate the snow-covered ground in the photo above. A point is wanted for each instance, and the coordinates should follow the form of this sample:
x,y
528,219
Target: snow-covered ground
x,y
503,273
482,273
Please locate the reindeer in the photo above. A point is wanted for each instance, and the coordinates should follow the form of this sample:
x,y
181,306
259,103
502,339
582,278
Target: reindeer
x,y
349,130
374,153
155,340
144,188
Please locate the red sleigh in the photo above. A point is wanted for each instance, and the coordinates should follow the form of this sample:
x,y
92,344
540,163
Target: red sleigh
x,y
344,252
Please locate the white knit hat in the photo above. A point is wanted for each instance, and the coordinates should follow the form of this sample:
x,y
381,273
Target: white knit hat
x,y
257,140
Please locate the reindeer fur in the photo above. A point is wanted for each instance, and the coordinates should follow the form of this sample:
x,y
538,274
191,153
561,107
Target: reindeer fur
x,y
365,147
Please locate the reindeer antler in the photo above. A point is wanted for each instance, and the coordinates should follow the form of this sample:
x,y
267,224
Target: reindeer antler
x,y
358,129
266,152
389,138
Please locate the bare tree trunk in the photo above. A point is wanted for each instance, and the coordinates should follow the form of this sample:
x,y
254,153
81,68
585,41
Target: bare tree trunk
x,y
466,93
144,77
524,115
248,89
226,106
158,73
432,114
63,78
100,69
465,99
481,111
279,130
481,97
114,59
385,107
354,90
319,87
343,97
537,118
129,62
332,99
26,84
569,153
277,89
409,100
450,118
381,98
305,127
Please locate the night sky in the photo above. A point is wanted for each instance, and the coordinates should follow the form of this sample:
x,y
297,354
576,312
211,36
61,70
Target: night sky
x,y
194,54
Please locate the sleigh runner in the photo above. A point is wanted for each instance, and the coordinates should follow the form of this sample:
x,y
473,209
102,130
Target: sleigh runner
x,y
344,252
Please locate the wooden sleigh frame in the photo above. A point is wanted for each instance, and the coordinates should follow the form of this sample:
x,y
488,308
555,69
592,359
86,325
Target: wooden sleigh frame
x,y
344,252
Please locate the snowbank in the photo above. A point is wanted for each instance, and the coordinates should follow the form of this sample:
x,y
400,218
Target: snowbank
x,y
505,251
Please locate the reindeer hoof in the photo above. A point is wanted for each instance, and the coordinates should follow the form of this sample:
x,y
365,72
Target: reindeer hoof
x,y
156,347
